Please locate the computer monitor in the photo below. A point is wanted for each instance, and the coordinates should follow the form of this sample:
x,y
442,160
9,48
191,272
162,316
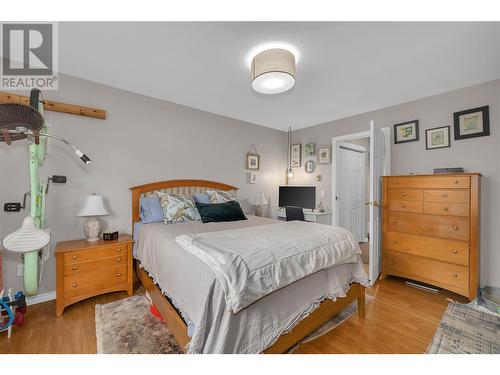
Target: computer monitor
x,y
299,196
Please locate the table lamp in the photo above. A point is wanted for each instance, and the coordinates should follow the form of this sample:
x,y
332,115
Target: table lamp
x,y
92,208
259,201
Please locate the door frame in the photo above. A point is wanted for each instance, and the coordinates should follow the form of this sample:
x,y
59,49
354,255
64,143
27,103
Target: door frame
x,y
336,141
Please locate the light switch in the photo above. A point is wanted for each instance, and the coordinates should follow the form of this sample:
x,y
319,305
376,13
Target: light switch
x,y
322,193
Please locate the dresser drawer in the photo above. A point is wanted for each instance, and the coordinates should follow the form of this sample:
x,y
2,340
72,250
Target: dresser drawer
x,y
429,182
447,196
456,209
450,251
433,271
405,195
104,252
92,281
405,206
74,268
453,227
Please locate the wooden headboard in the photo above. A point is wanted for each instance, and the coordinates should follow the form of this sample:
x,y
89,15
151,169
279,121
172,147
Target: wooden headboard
x,y
187,187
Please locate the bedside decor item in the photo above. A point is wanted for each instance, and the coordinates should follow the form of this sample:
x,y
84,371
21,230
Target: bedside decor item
x,y
253,158
406,132
258,201
310,149
295,155
437,138
92,208
319,178
86,269
472,123
310,166
252,178
324,155
448,170
273,71
110,236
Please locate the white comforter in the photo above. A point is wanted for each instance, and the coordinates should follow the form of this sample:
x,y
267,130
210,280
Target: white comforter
x,y
252,262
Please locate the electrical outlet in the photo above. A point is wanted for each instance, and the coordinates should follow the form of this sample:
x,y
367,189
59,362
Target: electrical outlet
x,y
20,270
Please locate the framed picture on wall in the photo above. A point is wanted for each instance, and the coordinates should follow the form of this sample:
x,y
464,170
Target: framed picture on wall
x,y
253,161
295,155
437,138
472,123
310,149
324,155
406,132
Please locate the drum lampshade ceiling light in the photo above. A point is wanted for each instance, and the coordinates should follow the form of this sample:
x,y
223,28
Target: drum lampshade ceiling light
x,y
273,71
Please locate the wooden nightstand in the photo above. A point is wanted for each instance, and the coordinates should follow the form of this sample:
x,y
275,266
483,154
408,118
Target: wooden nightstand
x,y
87,269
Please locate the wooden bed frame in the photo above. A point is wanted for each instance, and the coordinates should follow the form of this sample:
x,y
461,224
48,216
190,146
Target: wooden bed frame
x,y
174,321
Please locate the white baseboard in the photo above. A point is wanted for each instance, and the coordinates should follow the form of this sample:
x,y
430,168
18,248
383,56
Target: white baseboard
x,y
39,298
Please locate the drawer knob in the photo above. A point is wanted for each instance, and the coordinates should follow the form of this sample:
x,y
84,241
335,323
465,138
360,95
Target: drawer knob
x,y
454,251
74,257
74,285
455,182
445,208
455,275
396,220
455,227
403,205
395,241
445,195
74,268
119,250
403,194
118,259
395,260
396,182
118,275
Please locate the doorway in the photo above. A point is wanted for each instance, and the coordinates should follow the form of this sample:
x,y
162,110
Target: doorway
x,y
360,160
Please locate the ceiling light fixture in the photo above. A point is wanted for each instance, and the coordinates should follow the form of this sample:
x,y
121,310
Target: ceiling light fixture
x,y
273,71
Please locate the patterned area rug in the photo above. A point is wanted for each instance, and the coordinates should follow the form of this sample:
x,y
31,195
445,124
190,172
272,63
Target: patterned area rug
x,y
127,327
465,329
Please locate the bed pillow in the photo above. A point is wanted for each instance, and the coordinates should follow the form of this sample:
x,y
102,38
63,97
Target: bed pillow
x,y
218,212
216,196
178,208
201,198
150,209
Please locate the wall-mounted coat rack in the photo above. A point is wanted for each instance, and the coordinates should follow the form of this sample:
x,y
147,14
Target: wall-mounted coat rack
x,y
51,105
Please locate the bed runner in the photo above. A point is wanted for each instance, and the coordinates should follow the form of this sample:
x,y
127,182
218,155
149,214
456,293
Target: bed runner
x,y
252,262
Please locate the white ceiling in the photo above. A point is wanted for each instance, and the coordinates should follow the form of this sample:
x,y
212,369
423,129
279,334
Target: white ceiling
x,y
344,68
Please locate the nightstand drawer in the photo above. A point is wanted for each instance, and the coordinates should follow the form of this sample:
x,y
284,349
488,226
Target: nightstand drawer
x,y
74,268
92,281
103,252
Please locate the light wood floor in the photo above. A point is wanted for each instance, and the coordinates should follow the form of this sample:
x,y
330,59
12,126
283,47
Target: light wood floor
x,y
400,319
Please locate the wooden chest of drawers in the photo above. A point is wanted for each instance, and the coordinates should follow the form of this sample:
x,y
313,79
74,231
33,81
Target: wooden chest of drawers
x,y
430,230
86,269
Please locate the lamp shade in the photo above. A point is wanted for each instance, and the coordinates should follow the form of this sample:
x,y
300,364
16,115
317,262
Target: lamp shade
x,y
93,206
273,71
259,200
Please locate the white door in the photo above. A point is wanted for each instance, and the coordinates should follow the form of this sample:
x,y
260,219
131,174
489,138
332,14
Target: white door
x,y
379,166
351,188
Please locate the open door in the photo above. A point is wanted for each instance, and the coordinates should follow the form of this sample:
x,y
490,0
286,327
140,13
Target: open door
x,y
379,166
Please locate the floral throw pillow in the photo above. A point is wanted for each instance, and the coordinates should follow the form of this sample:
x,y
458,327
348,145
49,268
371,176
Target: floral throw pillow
x,y
178,208
216,196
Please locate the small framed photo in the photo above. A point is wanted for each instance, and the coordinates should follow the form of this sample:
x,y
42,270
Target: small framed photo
x,y
437,138
295,155
406,132
472,123
324,155
252,177
253,161
310,149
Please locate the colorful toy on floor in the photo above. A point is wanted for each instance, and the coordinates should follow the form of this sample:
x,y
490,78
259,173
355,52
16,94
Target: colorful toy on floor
x,y
12,311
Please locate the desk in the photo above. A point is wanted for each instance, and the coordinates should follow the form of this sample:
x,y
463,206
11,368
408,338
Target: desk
x,y
313,216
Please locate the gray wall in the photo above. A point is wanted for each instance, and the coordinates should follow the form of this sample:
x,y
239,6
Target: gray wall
x,y
142,140
475,155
